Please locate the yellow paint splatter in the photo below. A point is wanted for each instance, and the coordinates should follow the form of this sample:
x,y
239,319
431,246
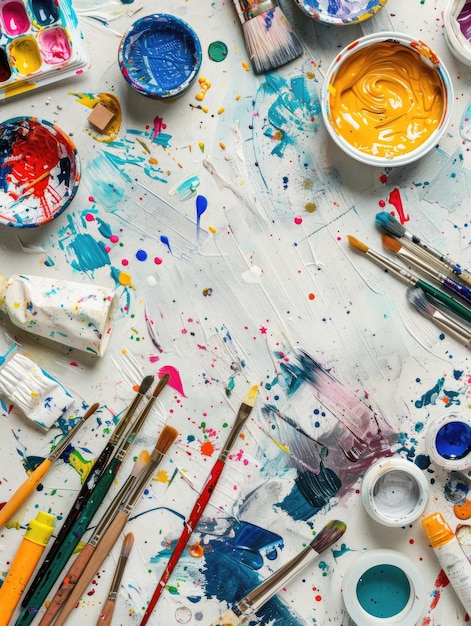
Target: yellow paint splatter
x,y
201,146
124,278
221,110
238,96
246,66
212,229
310,207
205,85
222,145
162,477
80,465
143,144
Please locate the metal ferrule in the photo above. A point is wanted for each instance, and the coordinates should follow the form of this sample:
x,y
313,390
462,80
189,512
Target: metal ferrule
x,y
247,9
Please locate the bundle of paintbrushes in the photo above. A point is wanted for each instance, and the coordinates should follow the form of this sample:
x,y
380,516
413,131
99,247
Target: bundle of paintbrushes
x,y
439,305
86,565
88,501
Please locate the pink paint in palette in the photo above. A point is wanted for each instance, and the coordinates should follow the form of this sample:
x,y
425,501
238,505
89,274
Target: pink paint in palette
x,y
40,42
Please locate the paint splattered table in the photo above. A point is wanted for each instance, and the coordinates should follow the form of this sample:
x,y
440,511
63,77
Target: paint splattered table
x,y
221,219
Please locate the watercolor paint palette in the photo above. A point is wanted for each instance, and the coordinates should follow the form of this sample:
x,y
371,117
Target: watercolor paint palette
x,y
40,42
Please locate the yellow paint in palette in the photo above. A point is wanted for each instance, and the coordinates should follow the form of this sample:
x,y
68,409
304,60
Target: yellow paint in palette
x,y
25,55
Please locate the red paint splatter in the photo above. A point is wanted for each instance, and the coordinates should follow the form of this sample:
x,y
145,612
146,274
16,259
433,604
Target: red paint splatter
x,y
396,200
298,220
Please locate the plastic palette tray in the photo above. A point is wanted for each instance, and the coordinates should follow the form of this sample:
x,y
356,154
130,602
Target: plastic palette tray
x,y
40,42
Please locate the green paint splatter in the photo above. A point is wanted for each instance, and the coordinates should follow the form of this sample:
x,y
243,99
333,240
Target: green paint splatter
x,y
217,51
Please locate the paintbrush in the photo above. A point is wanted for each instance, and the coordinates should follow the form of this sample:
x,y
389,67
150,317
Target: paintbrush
x,y
243,413
36,476
243,610
422,303
269,38
40,589
390,225
96,471
109,538
83,557
411,279
421,264
106,614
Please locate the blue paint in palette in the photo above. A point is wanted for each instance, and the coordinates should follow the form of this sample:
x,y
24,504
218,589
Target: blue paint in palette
x,y
453,440
383,591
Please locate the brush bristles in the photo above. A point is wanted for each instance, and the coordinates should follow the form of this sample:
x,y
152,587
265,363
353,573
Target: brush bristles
x,y
145,384
331,532
91,411
356,243
270,41
251,396
141,462
417,297
389,224
390,243
167,437
127,545
160,385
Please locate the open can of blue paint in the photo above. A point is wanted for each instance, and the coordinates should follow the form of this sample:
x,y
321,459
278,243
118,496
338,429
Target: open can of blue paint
x,y
448,441
384,587
160,56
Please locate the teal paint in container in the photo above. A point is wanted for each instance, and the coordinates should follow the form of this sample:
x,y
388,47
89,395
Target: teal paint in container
x,y
384,587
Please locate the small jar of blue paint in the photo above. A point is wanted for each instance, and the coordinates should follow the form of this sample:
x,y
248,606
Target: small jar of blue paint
x,y
384,587
448,441
160,56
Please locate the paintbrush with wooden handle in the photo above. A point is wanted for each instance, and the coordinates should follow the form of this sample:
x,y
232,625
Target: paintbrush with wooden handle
x,y
86,490
106,614
77,567
244,610
108,540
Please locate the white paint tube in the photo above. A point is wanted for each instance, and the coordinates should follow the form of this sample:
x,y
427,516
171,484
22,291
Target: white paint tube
x,y
451,556
78,315
41,398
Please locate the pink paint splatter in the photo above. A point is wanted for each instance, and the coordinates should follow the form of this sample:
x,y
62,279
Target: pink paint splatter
x,y
174,378
159,126
298,220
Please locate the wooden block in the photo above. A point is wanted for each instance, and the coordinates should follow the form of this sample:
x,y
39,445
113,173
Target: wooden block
x,y
100,117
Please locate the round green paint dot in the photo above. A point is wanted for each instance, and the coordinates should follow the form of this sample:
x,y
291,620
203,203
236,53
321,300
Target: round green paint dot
x,y
217,51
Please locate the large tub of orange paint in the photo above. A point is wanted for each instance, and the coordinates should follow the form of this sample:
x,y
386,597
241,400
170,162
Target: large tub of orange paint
x,y
386,99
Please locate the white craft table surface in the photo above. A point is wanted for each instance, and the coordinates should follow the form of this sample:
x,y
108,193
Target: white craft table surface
x,y
267,273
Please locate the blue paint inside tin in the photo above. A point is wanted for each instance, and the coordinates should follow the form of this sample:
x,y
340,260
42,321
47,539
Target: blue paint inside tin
x,y
160,56
383,591
453,440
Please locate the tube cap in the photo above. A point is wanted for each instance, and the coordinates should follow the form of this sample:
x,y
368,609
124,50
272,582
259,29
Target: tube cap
x,y
40,529
438,531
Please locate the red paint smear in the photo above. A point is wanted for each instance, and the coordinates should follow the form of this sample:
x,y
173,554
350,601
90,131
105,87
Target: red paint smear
x,y
174,378
2,504
207,448
159,126
396,200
